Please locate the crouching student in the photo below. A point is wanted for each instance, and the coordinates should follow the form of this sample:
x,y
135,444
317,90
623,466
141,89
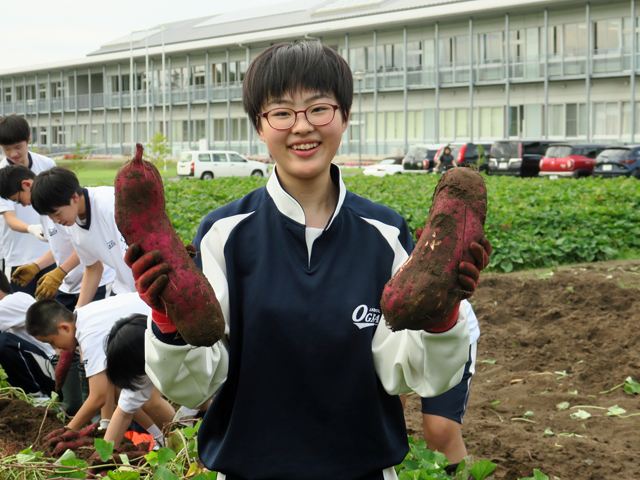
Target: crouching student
x,y
305,343
26,361
49,321
88,215
125,369
65,280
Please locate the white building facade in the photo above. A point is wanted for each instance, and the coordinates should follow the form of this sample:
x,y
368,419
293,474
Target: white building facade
x,y
427,72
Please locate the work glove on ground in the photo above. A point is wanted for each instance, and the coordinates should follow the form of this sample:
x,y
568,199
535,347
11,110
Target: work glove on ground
x,y
49,283
24,274
37,231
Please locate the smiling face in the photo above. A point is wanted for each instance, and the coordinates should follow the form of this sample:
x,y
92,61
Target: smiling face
x,y
18,153
304,151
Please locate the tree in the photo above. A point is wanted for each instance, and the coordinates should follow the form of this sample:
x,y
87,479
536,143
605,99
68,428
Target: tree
x,y
77,156
158,149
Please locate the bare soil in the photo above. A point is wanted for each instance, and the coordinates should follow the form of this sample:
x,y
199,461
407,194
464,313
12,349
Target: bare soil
x,y
583,320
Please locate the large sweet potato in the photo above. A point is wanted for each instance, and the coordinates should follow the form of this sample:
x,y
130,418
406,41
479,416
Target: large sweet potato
x,y
188,297
425,290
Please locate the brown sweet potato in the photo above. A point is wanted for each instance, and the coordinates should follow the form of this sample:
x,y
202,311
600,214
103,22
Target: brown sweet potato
x,y
425,290
188,297
72,445
62,368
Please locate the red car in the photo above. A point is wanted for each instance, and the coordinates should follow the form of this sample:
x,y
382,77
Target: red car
x,y
566,160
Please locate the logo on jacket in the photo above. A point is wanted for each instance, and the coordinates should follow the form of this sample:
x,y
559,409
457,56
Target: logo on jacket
x,y
53,231
364,316
111,244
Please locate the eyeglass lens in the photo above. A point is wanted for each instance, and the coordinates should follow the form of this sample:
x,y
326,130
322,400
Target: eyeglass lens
x,y
318,115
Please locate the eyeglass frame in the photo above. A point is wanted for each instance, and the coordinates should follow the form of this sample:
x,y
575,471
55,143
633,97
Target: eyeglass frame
x,y
265,114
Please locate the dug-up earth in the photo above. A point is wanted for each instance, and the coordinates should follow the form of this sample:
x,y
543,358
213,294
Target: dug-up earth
x,y
549,337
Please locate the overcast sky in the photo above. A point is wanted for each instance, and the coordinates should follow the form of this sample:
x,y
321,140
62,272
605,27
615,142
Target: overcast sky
x,y
44,31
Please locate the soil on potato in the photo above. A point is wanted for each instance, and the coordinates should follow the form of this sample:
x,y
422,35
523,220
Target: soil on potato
x,y
582,319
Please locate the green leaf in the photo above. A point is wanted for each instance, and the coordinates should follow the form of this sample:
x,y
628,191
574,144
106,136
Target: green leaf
x,y
205,476
164,455
74,470
482,469
104,449
489,360
163,473
580,415
615,411
548,432
631,386
123,475
68,454
537,475
563,405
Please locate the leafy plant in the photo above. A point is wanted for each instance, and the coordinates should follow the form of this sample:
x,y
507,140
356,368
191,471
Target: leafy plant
x,y
77,156
158,149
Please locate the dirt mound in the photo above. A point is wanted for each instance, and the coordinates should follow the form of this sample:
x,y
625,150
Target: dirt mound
x,y
22,425
583,320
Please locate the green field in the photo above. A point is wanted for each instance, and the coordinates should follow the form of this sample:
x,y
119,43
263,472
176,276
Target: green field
x,y
531,223
93,173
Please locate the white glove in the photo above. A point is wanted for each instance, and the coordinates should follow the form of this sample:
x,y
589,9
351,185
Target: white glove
x,y
104,424
37,231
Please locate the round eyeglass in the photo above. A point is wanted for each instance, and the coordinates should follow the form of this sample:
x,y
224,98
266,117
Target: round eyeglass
x,y
318,115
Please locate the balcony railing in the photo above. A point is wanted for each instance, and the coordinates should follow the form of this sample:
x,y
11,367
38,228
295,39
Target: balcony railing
x,y
602,62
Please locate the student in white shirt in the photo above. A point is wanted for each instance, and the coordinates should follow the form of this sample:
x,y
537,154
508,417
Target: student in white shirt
x,y
65,281
49,321
21,234
26,361
88,214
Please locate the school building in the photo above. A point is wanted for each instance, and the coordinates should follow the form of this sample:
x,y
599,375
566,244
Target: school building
x,y
426,71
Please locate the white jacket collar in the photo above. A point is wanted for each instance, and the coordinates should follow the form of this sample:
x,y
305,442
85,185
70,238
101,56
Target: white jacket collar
x,y
289,206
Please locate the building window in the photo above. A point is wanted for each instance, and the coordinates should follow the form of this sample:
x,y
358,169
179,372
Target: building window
x,y
219,73
605,119
197,76
606,36
219,129
556,120
414,56
575,39
533,121
490,47
516,45
491,122
42,91
446,123
415,124
462,122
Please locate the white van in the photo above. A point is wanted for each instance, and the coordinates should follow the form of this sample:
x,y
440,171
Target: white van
x,y
218,163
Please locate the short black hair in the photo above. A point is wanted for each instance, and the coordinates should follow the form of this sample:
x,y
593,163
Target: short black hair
x,y
53,189
14,129
124,347
44,315
11,178
288,67
5,286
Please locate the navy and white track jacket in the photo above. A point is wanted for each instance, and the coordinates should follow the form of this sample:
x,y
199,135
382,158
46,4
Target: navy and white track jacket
x,y
308,373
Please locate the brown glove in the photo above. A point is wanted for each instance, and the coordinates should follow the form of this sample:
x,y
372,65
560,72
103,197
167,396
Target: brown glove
x,y
25,274
49,284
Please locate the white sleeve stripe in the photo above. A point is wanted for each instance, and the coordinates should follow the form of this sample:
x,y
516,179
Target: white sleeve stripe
x,y
391,235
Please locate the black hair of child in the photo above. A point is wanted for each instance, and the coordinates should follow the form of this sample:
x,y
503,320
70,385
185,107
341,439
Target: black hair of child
x,y
288,67
124,348
11,178
53,189
14,129
42,317
5,286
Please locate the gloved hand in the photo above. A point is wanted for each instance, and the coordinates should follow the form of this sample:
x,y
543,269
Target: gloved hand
x,y
150,274
25,274
470,273
37,231
49,284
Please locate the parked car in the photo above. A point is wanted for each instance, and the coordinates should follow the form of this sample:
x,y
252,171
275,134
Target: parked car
x,y
470,153
388,166
517,157
218,163
566,160
417,154
618,161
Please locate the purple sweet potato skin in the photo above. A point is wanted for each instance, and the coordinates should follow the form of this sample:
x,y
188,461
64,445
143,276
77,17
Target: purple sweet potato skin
x,y
141,216
425,290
